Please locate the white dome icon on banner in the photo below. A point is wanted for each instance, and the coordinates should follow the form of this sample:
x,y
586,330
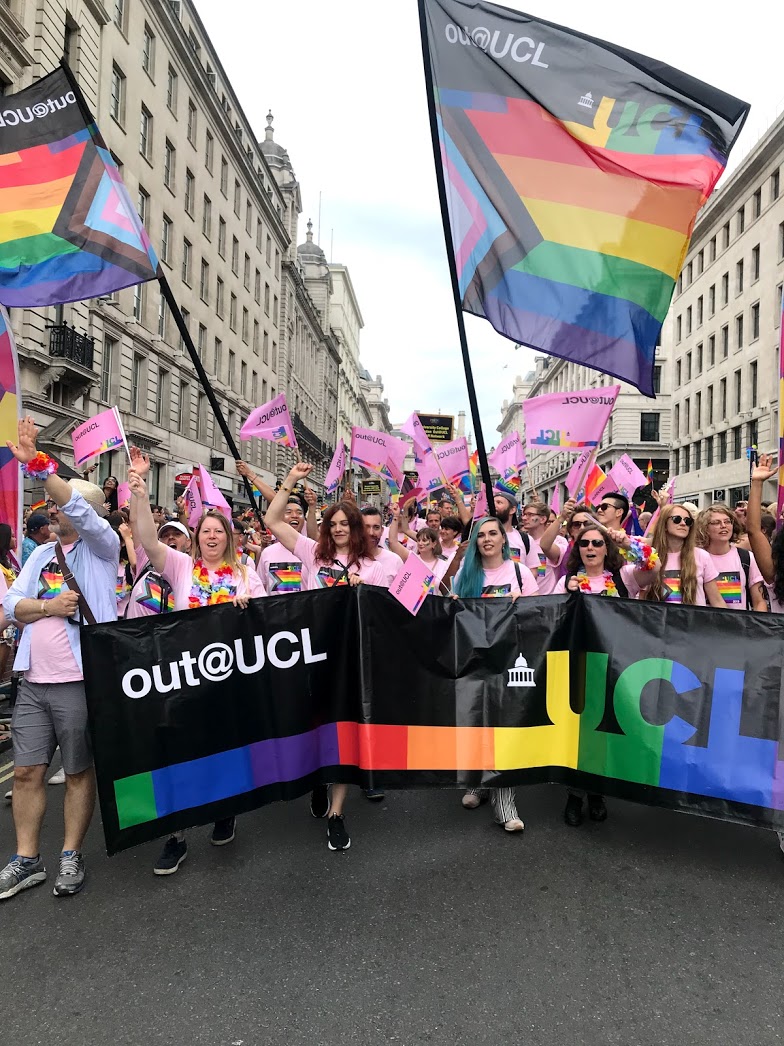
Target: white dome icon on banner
x,y
521,674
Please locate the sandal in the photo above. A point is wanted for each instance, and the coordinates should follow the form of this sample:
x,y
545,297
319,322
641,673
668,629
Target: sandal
x,y
514,825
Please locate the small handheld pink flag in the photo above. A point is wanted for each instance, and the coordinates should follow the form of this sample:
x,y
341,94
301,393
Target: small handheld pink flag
x,y
597,485
271,421
193,502
412,583
337,468
98,434
481,507
555,500
123,495
210,495
413,427
627,476
575,478
508,458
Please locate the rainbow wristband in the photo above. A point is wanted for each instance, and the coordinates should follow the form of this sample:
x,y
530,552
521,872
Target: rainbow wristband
x,y
40,467
644,557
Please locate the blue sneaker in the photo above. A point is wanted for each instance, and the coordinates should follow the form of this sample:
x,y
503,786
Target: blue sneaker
x,y
375,795
19,874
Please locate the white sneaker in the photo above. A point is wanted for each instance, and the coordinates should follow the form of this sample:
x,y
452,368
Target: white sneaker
x,y
9,795
58,778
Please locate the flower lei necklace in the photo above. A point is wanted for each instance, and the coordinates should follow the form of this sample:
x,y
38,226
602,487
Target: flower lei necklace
x,y
584,583
207,593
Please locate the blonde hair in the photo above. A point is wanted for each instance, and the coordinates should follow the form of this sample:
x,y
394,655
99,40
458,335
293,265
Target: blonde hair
x,y
656,592
703,536
230,556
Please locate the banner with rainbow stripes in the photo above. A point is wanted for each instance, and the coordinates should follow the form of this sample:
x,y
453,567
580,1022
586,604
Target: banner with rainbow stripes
x,y
11,486
574,170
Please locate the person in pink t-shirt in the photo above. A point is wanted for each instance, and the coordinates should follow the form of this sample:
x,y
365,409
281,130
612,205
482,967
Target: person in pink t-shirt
x,y
341,556
212,574
428,548
536,516
687,573
488,571
718,531
449,532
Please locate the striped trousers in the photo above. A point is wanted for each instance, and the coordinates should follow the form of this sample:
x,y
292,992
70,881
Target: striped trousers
x,y
502,801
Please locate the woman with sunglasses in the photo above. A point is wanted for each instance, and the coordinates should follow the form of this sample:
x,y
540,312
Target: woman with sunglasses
x,y
488,571
609,563
687,574
571,519
740,582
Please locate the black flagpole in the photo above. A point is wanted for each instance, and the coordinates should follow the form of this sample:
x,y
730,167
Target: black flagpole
x,y
178,317
472,400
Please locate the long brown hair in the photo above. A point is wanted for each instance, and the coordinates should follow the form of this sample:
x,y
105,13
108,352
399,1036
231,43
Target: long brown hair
x,y
230,556
358,549
613,560
656,592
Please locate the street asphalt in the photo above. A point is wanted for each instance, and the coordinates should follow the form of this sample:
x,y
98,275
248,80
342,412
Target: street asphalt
x,y
436,927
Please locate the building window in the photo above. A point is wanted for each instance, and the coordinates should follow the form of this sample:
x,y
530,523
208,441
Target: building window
x,y
774,186
209,151
686,418
259,234
107,360
138,302
725,341
117,103
277,263
254,387
756,204
171,89
755,263
710,405
678,329
265,351
233,312
206,218
712,300
186,319
275,310
221,237
166,236
120,15
723,399
232,368
263,391
709,452
699,311
256,336
649,428
224,175
190,192
698,361
219,297
688,366
740,220
698,411
678,374
257,286
235,255
657,373
148,51
204,282
267,299
712,250
725,288
739,332
246,272
136,381
218,357
697,456
738,391
144,205
722,447
725,236
201,342
186,262
753,383
689,279
739,278
183,421
169,164
700,263
781,241
145,133
712,350
163,317
162,397
737,441
243,379
245,325
248,217
688,321
269,250
755,321
237,197
192,122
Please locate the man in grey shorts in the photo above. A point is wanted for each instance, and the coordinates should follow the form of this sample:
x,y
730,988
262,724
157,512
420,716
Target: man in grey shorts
x,y
50,708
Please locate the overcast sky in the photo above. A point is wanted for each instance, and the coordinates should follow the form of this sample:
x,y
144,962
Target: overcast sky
x,y
344,81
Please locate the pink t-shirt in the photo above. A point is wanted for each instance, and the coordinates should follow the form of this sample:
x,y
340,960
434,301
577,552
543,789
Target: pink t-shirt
x,y
151,593
732,578
546,572
502,581
178,571
597,583
671,575
450,552
389,563
323,575
281,571
775,606
404,541
519,555
51,657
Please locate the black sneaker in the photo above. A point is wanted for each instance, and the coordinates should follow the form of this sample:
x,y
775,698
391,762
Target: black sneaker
x,y
319,801
375,795
597,810
573,813
337,836
223,831
173,854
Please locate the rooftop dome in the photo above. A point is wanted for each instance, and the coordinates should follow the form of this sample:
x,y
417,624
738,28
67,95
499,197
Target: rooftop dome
x,y
310,250
275,155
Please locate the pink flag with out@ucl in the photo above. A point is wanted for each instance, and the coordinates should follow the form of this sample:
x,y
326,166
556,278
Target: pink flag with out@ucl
x,y
193,502
211,496
568,420
380,453
628,476
508,458
271,421
480,506
337,468
412,583
576,476
99,434
413,427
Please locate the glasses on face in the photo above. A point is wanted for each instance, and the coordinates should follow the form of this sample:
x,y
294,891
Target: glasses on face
x,y
607,506
578,522
720,523
591,543
686,520
530,515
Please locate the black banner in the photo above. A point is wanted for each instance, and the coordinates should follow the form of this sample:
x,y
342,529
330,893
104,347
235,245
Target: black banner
x,y
206,713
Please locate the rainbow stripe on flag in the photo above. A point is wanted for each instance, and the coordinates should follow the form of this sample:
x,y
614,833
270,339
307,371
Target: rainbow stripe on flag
x,y
38,506
68,229
11,487
572,194
649,471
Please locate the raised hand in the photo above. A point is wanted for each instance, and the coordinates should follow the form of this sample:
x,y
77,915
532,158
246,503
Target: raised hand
x,y
573,585
620,537
243,469
125,531
764,469
310,496
568,509
348,495
64,605
25,450
137,484
140,462
299,472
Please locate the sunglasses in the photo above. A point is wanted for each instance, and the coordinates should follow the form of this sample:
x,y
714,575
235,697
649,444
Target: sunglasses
x,y
579,522
683,519
588,542
606,506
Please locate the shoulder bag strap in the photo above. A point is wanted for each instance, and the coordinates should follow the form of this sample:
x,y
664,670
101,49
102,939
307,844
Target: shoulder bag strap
x,y
73,584
745,561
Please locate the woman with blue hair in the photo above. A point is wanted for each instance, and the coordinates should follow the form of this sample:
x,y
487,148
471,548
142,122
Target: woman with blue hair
x,y
488,571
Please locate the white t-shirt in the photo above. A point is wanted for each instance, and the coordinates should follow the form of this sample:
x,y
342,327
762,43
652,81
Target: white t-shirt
x,y
671,575
732,578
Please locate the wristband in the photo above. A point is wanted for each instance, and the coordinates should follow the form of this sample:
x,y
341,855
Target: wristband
x,y
43,608
287,489
40,467
644,557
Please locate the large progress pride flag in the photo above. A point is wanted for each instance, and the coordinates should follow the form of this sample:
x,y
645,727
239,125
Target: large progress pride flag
x,y
68,230
574,171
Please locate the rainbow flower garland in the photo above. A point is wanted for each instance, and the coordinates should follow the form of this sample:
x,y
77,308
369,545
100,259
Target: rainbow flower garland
x,y
207,593
40,467
644,557
584,583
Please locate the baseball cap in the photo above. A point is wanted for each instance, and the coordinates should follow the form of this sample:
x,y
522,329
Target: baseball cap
x,y
505,494
36,521
175,523
91,493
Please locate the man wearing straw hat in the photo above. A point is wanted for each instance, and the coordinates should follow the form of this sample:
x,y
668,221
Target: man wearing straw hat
x,y
65,581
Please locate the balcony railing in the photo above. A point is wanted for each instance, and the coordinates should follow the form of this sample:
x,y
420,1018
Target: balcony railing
x,y
309,436
67,344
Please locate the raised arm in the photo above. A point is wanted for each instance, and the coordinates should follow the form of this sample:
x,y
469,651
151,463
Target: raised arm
x,y
463,511
266,491
394,543
760,546
311,523
145,530
285,533
547,540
